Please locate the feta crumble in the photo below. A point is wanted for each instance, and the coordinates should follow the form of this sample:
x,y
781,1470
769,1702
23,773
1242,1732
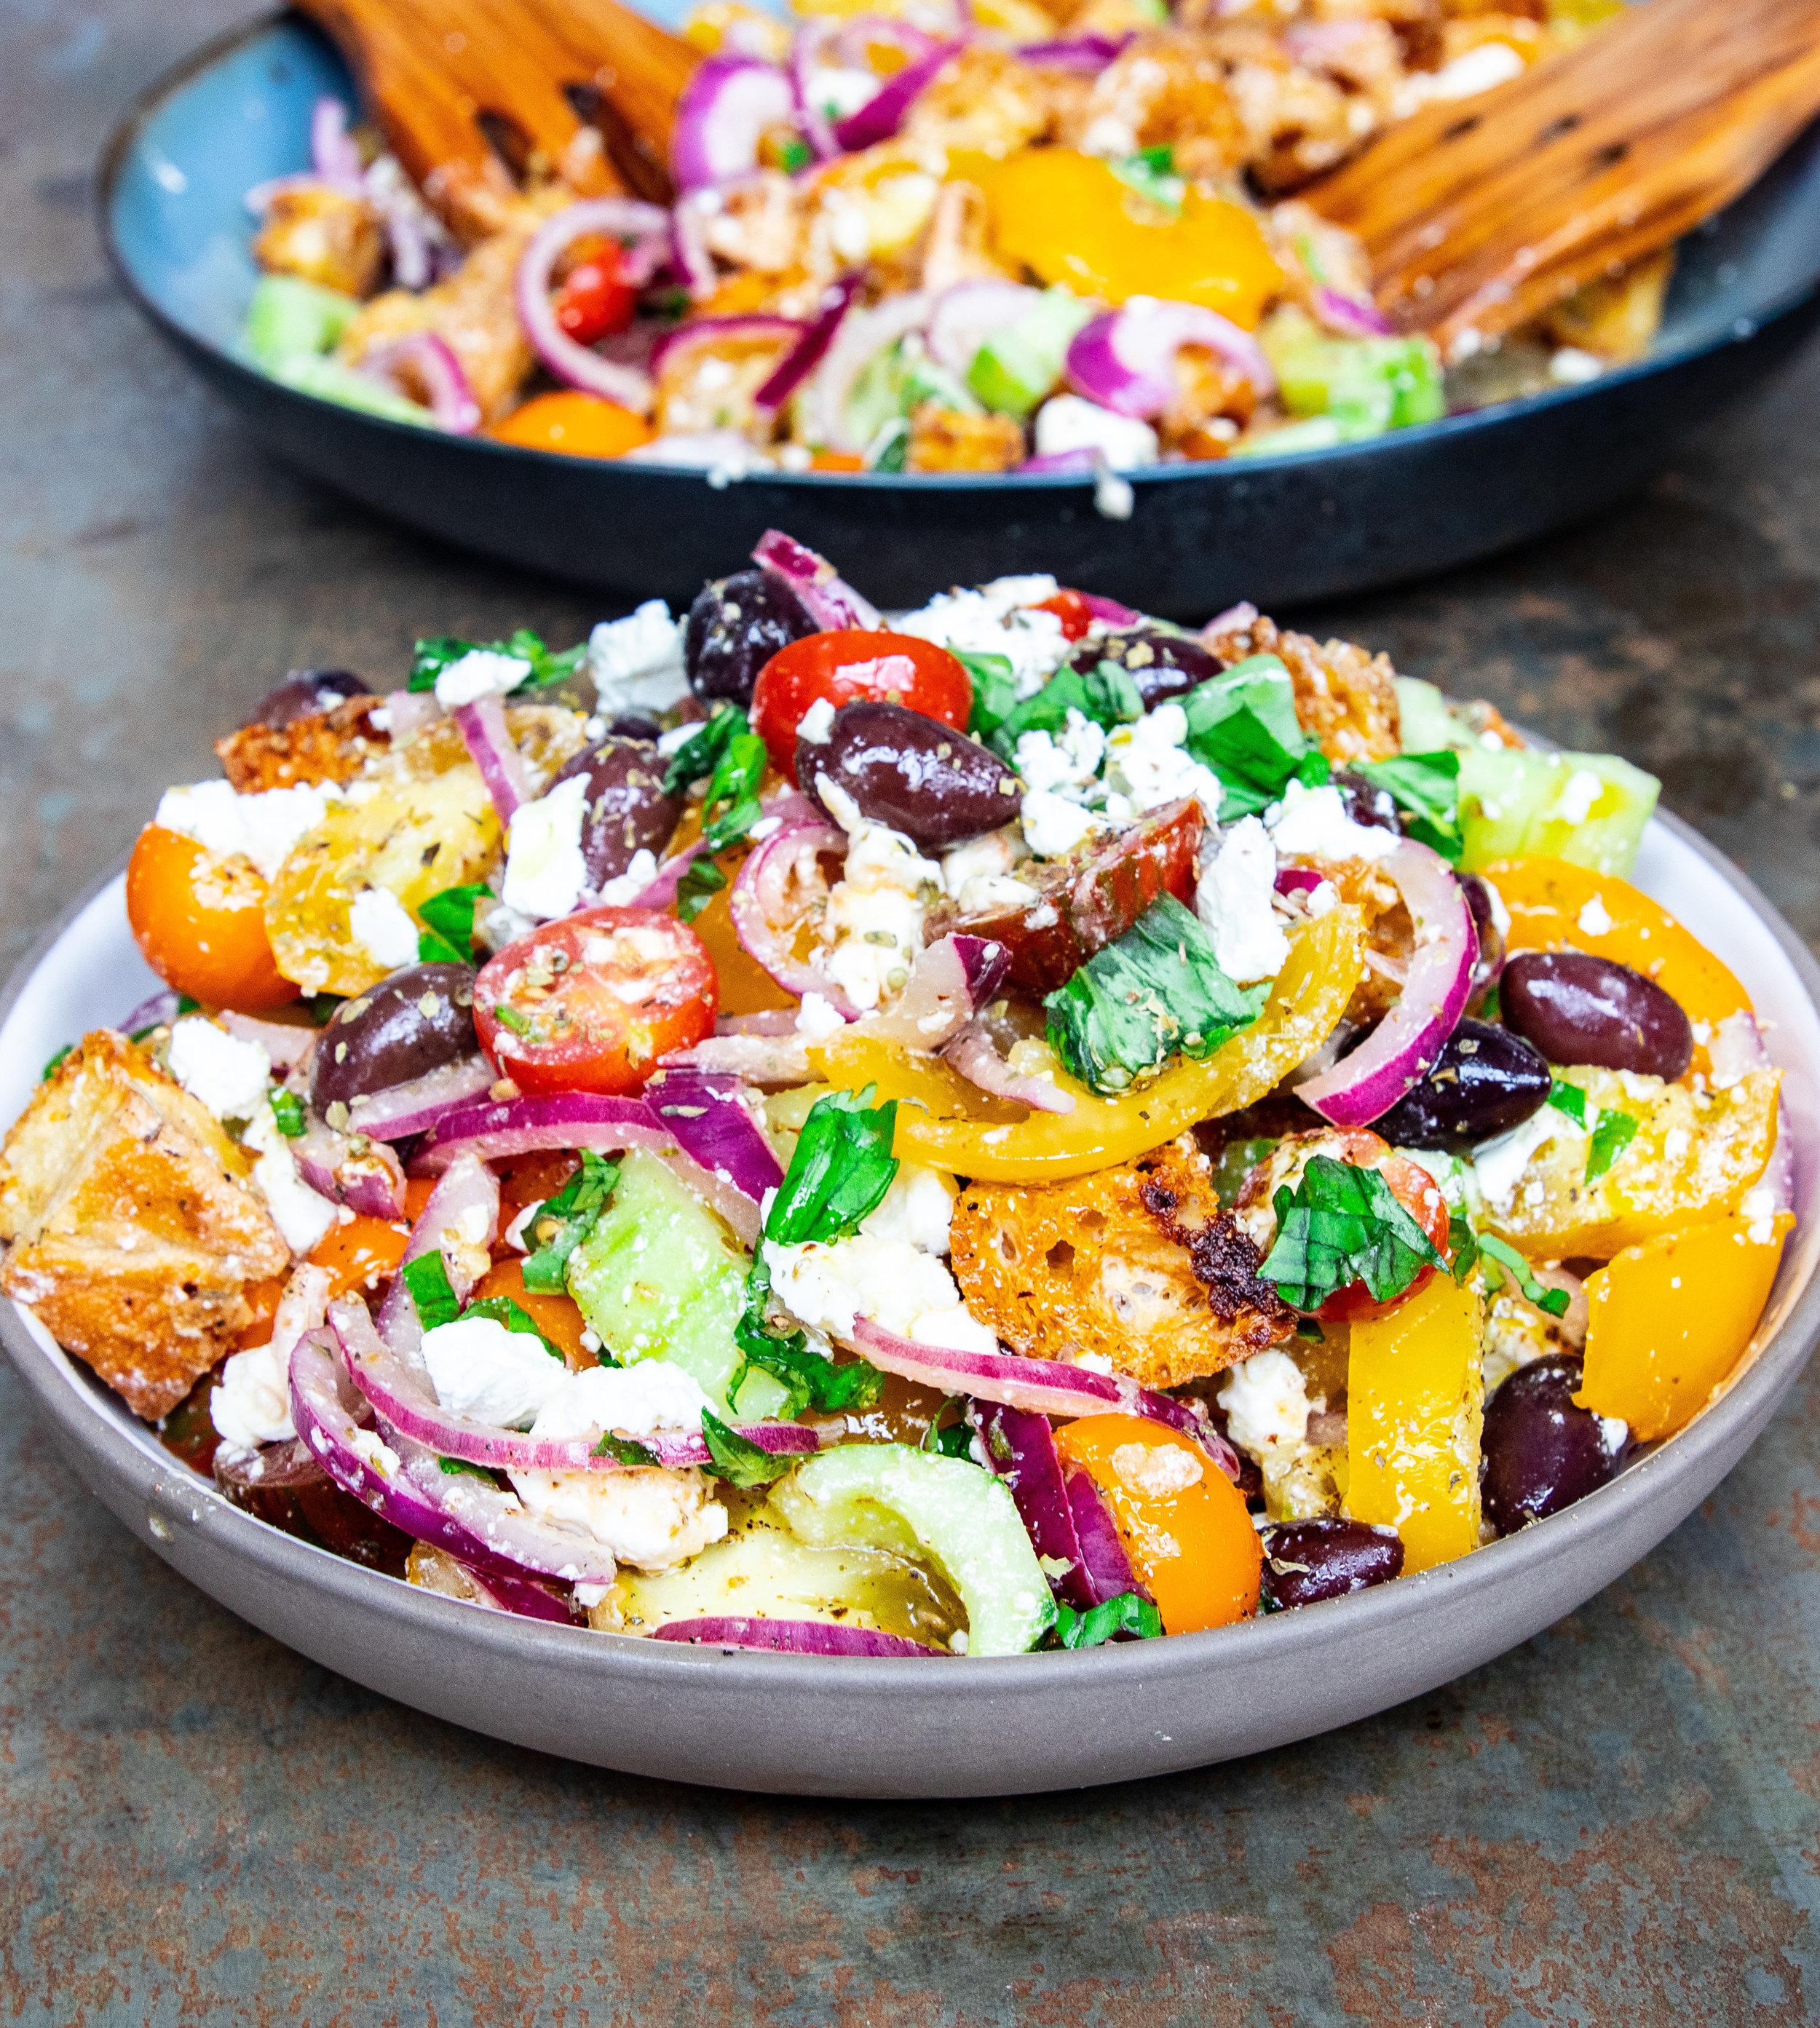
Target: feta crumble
x,y
998,619
545,874
479,1368
303,1215
1065,423
1312,823
638,1400
250,1404
817,1017
625,888
1235,899
1148,763
873,920
1063,761
1581,790
1499,1165
636,663
817,722
830,1285
262,828
381,928
482,672
1052,825
650,1518
918,1209
228,1073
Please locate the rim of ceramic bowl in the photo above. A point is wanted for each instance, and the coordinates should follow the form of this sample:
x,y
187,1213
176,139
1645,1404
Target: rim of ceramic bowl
x,y
148,101
107,1431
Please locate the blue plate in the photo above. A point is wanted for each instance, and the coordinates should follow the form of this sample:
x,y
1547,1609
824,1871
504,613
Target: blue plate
x,y
1279,530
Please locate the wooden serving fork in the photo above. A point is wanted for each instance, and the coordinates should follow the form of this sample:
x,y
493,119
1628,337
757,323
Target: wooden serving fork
x,y
1479,215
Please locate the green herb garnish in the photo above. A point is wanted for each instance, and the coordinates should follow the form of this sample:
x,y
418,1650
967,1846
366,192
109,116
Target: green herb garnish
x,y
1242,724
1151,173
1614,1134
447,935
625,1450
1570,1099
1463,1246
794,155
841,1167
700,882
1125,1614
699,755
1106,693
994,690
453,1465
57,1063
1340,1225
737,1458
503,1310
187,1005
287,1112
432,656
569,1217
511,1018
1554,1301
428,1279
1426,787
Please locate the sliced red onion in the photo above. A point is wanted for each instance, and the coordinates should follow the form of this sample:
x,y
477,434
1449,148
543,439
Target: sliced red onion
x,y
287,1043
770,1021
333,154
1110,610
974,1056
1400,1051
467,1187
885,111
1737,1050
1105,1566
968,314
1234,620
714,1126
408,712
573,1121
830,600
790,1637
762,918
1125,360
1088,54
1078,464
809,350
363,1174
575,364
817,131
523,1596
1022,1449
470,1518
1351,317
689,248
1043,1386
495,752
158,1012
786,804
726,110
422,368
863,335
1298,879
951,980
771,1060
855,37
402,1110
700,334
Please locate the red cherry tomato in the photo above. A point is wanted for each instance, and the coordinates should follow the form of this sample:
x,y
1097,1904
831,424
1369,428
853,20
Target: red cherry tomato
x,y
851,663
1072,610
590,1003
1419,1195
595,297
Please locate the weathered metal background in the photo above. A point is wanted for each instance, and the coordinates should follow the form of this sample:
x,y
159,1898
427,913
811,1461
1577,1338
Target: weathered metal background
x,y
1619,1824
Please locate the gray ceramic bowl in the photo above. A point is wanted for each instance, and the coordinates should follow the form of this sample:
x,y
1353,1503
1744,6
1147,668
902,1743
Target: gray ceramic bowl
x,y
945,1728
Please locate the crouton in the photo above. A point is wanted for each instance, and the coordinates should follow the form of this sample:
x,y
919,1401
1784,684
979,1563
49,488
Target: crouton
x,y
1345,698
324,746
134,1229
325,235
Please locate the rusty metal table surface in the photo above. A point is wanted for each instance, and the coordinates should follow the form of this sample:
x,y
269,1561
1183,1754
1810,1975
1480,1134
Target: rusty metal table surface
x,y
1619,1823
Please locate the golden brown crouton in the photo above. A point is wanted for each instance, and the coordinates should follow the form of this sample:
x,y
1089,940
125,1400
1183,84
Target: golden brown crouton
x,y
1135,1264
1345,698
325,235
324,746
950,440
134,1230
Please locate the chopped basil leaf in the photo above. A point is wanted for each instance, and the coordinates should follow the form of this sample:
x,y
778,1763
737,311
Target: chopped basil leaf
x,y
287,1111
1306,1327
1426,787
187,1005
1125,1614
511,1018
1151,173
794,155
737,1458
1233,1166
1340,1225
841,1169
322,1006
814,1382
450,1464
625,1450
701,881
889,451
503,1310
432,656
428,1279
1554,1301
571,1212
994,690
1157,992
1570,1099
57,1063
1462,1243
1611,1137
1242,724
1106,693
699,755
447,936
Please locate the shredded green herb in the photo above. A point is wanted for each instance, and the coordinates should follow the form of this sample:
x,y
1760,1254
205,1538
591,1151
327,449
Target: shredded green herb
x,y
57,1063
994,690
699,755
503,1310
568,1217
1340,1225
432,655
453,1465
737,1458
1106,693
1426,787
428,1279
447,934
1506,1258
1614,1134
701,880
1151,173
287,1111
1242,724
1127,1614
1570,1099
625,1450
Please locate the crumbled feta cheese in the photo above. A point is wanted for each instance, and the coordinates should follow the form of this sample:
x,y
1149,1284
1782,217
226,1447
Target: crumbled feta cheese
x,y
1159,1470
636,663
1595,919
482,672
1499,1165
517,1235
817,722
250,1404
1064,761
1312,823
545,874
1759,1211
1322,899
873,919
1581,790
1265,1402
1065,423
1234,898
1614,1434
381,928
649,1518
625,888
1479,69
1115,498
638,1400
817,1017
1053,825
978,874
304,1215
479,1368
831,1284
998,619
262,828
1148,764
955,1330
1570,366
228,1073
369,1445
918,1209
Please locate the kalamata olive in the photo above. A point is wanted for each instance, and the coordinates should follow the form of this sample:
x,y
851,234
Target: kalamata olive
x,y
735,626
626,810
1490,961
635,725
1578,1008
306,693
916,775
1307,1561
1485,1081
1539,1452
407,1025
1365,803
1162,664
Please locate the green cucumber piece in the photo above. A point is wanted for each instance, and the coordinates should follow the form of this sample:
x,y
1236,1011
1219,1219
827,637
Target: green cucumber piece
x,y
1015,369
289,318
1366,384
1429,722
659,1278
1515,803
943,1510
331,381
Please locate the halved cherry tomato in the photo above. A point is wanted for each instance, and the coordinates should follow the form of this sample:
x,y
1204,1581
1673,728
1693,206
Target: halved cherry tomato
x,y
590,1003
1072,610
417,1190
595,297
1182,1521
578,425
1413,1188
557,1317
200,919
849,663
362,1253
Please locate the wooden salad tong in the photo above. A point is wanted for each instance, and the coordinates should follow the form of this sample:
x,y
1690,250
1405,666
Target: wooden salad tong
x,y
1480,214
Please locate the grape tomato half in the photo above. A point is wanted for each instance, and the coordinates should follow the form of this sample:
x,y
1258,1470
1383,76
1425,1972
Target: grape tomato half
x,y
849,663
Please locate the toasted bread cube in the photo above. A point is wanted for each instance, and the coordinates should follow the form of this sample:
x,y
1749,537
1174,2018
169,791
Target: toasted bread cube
x,y
133,1226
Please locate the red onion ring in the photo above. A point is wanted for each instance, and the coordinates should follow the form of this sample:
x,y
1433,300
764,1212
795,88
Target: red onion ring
x,y
1235,619
495,752
334,156
759,907
1297,879
689,249
809,350
863,335
1351,317
788,1637
574,365
1021,1448
969,313
1078,464
402,1110
700,334
1400,1051
1110,611
408,712
831,602
158,1011
429,362
1088,53
287,1043
726,109
714,1126
974,1055
772,1060
885,111
523,1597
367,1179
817,130
786,804
1125,360
1736,1049
951,980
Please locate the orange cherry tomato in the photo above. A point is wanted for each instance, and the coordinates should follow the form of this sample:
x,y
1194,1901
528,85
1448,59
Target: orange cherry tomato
x,y
1072,610
836,460
362,1253
262,1297
1182,1521
557,1317
595,297
417,1190
591,1002
578,425
849,663
200,919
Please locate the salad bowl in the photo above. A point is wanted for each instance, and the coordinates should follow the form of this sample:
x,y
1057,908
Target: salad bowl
x,y
848,1726
1176,539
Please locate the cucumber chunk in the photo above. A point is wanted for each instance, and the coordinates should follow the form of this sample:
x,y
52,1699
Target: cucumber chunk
x,y
1014,369
1588,808
331,381
289,318
951,1514
659,1278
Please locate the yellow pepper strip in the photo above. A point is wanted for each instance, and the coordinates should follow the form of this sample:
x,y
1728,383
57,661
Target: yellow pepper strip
x,y
1414,1409
1666,1321
944,1122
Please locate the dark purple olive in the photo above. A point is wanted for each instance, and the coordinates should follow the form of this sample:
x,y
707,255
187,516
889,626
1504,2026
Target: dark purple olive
x,y
1485,1081
1365,803
1307,1561
626,810
1578,1008
916,775
408,1025
306,693
1490,961
635,725
1162,664
735,626
1539,1452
